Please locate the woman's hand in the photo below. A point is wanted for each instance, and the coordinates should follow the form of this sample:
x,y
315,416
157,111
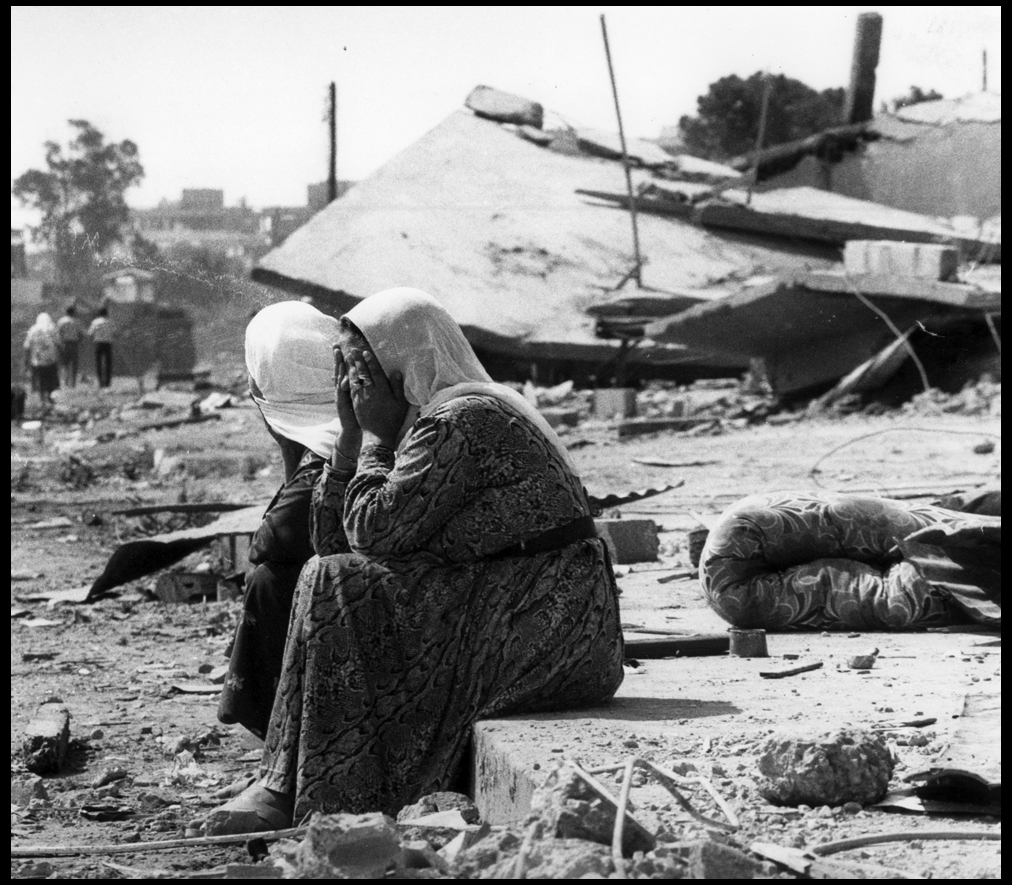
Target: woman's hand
x,y
349,443
379,402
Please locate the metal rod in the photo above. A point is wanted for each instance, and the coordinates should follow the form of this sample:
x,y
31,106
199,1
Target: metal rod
x,y
984,60
332,168
760,135
625,159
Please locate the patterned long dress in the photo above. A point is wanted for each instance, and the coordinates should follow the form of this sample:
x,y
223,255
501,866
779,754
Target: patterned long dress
x,y
838,562
411,625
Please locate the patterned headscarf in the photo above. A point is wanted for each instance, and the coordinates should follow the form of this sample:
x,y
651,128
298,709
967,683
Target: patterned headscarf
x,y
412,333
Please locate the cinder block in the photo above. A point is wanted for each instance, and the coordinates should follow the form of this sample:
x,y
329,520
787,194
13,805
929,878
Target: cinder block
x,y
612,401
630,540
922,261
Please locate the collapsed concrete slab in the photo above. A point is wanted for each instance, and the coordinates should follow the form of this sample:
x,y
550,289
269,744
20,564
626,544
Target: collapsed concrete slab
x,y
504,107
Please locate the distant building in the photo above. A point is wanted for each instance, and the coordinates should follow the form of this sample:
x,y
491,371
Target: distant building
x,y
280,222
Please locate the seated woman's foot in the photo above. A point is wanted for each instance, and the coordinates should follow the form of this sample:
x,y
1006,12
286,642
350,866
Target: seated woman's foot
x,y
234,788
255,810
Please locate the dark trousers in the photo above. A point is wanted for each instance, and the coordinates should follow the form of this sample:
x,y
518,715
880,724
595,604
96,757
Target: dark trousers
x,y
103,364
258,650
68,363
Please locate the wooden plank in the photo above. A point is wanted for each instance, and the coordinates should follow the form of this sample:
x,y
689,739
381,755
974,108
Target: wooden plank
x,y
691,646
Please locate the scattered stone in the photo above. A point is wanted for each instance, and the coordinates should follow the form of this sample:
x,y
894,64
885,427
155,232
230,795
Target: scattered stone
x,y
571,809
863,662
218,675
984,448
96,734
567,859
26,789
47,737
420,855
831,768
434,803
714,860
108,776
348,846
496,850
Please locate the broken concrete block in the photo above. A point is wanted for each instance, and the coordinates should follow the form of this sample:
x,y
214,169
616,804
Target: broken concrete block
x,y
568,859
614,402
504,107
348,846
434,803
922,261
571,809
630,540
713,860
496,850
47,737
27,789
420,855
828,768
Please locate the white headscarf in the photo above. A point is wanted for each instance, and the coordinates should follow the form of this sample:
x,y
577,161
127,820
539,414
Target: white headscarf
x,y
290,357
412,333
44,323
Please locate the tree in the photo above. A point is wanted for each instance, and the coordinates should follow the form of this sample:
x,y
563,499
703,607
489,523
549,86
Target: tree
x,y
80,197
916,95
727,119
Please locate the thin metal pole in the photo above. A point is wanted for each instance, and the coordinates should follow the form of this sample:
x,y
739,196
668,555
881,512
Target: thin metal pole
x,y
332,169
984,62
625,159
760,135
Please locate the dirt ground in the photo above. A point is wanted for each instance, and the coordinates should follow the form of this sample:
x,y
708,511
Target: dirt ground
x,y
147,756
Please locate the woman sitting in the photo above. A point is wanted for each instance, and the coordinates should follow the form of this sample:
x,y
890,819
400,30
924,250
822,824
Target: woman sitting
x,y
291,370
459,577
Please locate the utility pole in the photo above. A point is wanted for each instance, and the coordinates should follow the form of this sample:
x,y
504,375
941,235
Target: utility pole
x,y
760,138
638,273
332,122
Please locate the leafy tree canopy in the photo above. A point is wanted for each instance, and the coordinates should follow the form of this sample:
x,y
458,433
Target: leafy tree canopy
x,y
80,196
726,123
916,95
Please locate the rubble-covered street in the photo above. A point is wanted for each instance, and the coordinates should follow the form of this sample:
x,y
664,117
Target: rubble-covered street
x,y
138,675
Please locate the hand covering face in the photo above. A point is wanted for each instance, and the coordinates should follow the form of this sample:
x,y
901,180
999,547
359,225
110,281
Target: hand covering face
x,y
412,333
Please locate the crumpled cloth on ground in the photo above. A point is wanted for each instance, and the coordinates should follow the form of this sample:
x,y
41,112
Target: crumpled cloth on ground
x,y
825,562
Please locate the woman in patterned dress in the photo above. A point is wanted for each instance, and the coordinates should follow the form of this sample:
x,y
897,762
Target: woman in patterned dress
x,y
459,577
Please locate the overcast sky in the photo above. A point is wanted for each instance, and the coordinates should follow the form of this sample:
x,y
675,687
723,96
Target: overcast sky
x,y
233,97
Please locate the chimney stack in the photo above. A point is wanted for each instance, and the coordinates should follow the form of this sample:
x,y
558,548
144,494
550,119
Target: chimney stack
x,y
860,105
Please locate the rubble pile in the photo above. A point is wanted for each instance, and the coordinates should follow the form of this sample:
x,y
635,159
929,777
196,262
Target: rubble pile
x,y
568,835
980,398
834,768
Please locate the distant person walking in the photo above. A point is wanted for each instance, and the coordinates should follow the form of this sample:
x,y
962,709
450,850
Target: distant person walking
x,y
101,333
42,358
70,334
